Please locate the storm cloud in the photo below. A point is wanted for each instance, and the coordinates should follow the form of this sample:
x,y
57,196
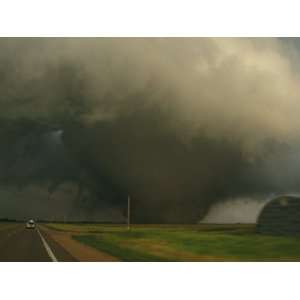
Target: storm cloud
x,y
177,123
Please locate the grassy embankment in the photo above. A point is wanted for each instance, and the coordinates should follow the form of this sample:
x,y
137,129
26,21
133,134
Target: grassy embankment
x,y
8,225
185,243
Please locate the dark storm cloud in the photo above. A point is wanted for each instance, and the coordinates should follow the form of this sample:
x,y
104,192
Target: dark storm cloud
x,y
176,123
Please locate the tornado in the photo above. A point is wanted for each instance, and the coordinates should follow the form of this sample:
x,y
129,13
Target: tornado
x,y
179,124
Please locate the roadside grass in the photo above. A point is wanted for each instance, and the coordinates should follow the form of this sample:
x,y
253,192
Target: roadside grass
x,y
99,228
185,242
123,253
8,225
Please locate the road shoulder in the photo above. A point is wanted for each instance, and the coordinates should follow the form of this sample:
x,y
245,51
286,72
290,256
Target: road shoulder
x,y
78,250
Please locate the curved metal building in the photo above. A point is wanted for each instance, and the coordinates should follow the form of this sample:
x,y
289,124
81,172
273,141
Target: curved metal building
x,y
281,216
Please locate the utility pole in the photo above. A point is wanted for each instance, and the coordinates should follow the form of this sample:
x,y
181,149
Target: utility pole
x,y
128,213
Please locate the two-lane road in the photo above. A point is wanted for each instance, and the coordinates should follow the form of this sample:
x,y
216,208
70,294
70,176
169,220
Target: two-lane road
x,y
19,244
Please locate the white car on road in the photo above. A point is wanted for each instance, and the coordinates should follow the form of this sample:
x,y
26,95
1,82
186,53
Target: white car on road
x,y
30,224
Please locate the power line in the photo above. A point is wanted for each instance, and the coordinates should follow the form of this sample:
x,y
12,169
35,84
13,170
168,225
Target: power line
x,y
128,213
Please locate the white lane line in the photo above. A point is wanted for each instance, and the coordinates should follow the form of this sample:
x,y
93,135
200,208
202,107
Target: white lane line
x,y
47,247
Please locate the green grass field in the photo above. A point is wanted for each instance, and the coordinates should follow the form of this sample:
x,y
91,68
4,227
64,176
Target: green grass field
x,y
185,242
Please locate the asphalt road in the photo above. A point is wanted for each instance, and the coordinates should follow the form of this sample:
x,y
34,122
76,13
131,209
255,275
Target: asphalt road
x,y
19,244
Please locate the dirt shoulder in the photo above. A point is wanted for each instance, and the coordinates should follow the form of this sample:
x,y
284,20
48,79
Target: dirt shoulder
x,y
78,250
